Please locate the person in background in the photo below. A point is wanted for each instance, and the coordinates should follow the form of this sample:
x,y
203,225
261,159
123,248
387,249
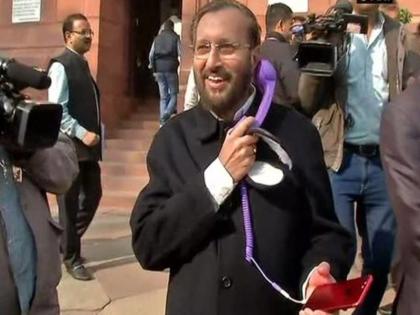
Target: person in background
x,y
30,267
75,89
346,108
400,151
278,50
191,97
297,30
164,61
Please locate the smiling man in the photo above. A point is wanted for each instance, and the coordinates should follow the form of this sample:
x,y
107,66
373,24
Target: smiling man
x,y
73,87
189,216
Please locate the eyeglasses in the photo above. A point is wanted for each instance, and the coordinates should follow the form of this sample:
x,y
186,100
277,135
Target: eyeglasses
x,y
84,33
225,50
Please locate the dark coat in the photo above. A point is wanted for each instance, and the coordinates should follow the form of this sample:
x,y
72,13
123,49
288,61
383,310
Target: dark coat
x,y
281,54
400,150
52,170
175,224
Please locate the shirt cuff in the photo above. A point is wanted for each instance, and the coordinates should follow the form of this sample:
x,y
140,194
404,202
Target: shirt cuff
x,y
80,132
218,182
305,285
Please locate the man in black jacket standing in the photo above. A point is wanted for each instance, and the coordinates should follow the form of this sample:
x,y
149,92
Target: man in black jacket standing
x,y
74,88
164,61
277,48
189,217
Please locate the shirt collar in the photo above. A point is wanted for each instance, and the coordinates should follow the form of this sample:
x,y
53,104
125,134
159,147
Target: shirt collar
x,y
276,36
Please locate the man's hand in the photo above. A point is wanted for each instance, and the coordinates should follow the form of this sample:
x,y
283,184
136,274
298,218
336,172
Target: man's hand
x,y
90,139
321,275
238,151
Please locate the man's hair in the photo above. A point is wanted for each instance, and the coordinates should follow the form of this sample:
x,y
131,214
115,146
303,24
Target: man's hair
x,y
254,30
168,25
275,13
69,21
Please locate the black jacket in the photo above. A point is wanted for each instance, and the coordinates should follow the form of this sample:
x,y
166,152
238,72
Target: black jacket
x,y
175,225
281,54
165,57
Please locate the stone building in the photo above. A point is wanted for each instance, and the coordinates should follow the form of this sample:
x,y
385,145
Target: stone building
x,y
124,30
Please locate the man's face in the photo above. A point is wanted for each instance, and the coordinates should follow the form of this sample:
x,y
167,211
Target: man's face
x,y
80,38
224,75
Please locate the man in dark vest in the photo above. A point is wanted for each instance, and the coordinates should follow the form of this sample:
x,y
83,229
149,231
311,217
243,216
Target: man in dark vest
x,y
163,59
74,88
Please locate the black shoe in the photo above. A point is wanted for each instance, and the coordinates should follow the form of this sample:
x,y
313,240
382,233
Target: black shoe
x,y
385,309
79,272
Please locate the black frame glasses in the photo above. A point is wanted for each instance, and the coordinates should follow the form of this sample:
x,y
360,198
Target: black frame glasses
x,y
84,33
226,50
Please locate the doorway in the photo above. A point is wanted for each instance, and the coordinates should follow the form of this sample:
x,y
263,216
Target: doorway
x,y
147,17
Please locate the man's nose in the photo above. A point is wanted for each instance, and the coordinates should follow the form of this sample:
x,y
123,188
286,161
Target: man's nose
x,y
214,59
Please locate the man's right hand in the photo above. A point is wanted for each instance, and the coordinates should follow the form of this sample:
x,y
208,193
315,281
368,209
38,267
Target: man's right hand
x,y
238,151
90,139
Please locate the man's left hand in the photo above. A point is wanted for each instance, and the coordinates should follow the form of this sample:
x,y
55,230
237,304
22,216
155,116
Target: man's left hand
x,y
321,275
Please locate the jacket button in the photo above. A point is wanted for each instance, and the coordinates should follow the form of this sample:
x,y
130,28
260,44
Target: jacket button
x,y
226,282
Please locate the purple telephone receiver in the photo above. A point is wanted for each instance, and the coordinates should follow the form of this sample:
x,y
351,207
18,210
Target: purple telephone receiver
x,y
265,78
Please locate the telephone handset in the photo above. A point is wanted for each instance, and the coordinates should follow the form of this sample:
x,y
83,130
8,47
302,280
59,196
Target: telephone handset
x,y
265,78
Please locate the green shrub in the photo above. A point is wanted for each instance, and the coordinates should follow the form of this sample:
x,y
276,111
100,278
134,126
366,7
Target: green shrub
x,y
404,16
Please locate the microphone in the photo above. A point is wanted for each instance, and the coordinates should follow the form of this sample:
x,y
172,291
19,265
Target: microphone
x,y
24,76
343,6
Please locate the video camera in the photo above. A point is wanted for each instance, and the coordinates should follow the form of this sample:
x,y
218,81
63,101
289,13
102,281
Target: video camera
x,y
330,38
25,125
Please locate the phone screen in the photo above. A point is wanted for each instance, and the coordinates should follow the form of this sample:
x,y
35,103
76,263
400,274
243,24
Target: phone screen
x,y
340,295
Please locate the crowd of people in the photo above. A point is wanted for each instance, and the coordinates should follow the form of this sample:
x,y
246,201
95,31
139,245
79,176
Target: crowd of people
x,y
254,198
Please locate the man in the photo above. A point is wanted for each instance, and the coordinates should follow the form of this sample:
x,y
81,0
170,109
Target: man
x,y
189,217
74,88
164,61
400,151
29,247
346,109
277,49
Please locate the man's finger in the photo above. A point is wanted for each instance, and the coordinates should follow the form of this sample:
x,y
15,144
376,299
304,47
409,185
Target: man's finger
x,y
242,127
246,141
324,268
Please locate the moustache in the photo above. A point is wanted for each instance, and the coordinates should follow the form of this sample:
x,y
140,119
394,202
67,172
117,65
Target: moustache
x,y
222,73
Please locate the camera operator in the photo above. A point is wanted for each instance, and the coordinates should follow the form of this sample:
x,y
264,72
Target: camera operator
x,y
29,246
346,108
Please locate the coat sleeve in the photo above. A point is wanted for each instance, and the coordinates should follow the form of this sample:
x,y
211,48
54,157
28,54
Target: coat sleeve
x,y
400,151
53,169
169,227
330,242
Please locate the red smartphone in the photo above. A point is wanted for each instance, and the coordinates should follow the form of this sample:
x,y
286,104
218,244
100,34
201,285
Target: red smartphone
x,y
339,296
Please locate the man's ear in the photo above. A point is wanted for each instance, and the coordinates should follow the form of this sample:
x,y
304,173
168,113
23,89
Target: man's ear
x,y
67,35
279,26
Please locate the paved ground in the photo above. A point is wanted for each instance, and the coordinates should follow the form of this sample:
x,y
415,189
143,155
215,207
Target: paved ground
x,y
120,286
